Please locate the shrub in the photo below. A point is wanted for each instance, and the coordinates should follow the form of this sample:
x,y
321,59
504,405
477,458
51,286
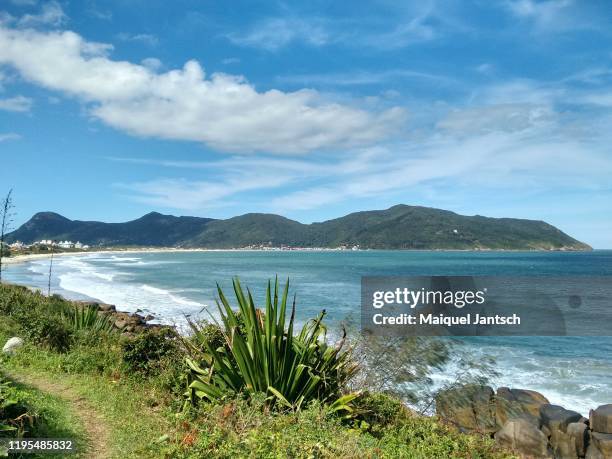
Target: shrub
x,y
38,318
375,410
205,335
47,330
144,352
262,355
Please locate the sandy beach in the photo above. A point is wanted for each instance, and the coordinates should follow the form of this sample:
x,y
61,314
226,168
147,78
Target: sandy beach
x,y
38,256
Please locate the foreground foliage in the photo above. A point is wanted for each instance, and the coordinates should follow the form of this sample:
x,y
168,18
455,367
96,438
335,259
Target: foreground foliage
x,y
134,384
261,355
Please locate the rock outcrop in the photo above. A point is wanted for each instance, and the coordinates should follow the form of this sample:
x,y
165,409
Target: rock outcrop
x,y
600,440
127,323
524,437
471,408
527,423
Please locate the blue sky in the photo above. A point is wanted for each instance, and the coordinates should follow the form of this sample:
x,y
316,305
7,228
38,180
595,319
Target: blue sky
x,y
111,109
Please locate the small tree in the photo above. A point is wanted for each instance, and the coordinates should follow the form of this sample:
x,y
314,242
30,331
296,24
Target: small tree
x,y
6,208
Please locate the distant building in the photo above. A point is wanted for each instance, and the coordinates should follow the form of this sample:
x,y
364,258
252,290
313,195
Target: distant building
x,y
66,244
17,245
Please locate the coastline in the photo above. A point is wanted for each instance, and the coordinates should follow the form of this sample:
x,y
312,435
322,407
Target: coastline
x,y
41,256
38,256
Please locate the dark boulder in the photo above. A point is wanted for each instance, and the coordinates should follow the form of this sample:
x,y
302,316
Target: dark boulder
x,y
106,307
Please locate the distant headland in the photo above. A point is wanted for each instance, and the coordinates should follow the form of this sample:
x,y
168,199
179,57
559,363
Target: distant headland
x,y
399,227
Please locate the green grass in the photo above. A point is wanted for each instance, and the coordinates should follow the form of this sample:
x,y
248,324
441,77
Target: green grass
x,y
137,413
52,417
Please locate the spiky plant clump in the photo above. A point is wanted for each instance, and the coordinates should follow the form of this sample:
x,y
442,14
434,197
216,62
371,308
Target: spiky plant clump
x,y
261,354
88,318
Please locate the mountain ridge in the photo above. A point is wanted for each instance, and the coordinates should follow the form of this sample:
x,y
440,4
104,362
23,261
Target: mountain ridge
x,y
398,227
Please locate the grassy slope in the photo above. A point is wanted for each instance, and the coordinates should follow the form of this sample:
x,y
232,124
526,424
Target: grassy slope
x,y
144,419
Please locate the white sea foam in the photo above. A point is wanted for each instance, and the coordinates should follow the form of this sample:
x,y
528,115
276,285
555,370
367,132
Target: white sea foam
x,y
106,284
576,387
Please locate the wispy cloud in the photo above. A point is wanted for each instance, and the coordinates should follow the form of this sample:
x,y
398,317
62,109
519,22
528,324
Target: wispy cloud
x,y
551,16
275,33
230,60
51,13
199,194
144,38
364,77
16,104
24,2
410,24
4,137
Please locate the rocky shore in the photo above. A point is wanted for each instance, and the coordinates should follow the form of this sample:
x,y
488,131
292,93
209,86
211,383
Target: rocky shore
x,y
125,322
524,421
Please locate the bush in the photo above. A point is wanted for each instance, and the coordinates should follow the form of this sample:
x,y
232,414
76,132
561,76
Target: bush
x,y
14,415
205,335
261,355
375,410
44,329
145,352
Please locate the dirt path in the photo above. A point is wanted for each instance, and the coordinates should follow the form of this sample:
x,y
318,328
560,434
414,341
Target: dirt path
x,y
98,433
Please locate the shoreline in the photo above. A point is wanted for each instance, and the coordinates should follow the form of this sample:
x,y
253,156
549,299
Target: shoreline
x,y
38,256
41,256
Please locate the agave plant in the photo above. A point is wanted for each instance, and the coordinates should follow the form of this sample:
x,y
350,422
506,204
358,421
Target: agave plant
x,y
261,354
88,318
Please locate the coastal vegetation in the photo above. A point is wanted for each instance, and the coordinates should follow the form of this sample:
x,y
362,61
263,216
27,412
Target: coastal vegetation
x,y
248,386
399,227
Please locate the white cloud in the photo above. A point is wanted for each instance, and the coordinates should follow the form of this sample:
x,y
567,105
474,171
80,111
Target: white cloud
x,y
51,13
4,137
16,104
222,111
275,33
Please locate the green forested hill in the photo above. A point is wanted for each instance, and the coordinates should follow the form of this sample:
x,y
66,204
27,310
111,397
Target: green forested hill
x,y
399,227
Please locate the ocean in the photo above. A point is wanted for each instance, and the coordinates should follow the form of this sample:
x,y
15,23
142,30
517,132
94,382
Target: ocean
x,y
575,372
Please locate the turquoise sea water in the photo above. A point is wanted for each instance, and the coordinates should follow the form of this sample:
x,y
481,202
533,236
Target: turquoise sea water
x,y
573,371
